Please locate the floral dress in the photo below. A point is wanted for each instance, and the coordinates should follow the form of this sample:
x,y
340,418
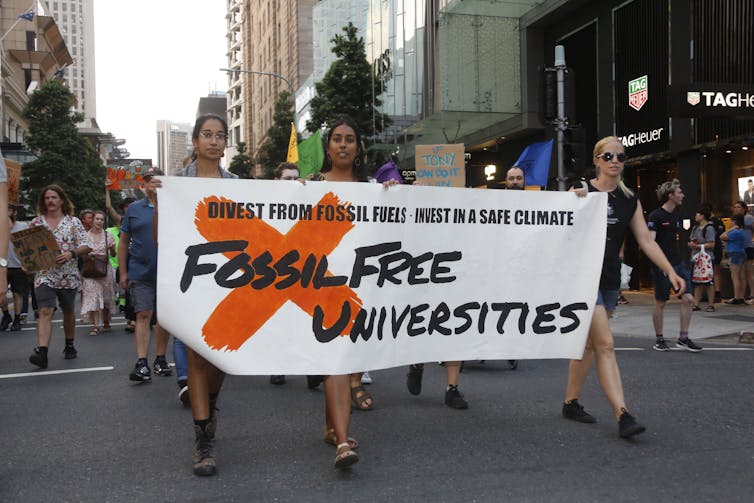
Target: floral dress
x,y
99,293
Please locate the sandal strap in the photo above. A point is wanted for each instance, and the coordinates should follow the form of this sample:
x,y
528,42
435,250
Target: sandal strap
x,y
344,444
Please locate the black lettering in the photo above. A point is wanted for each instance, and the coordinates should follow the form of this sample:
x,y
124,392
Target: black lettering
x,y
323,334
397,322
239,262
386,273
505,308
361,269
321,279
307,271
262,267
484,309
381,322
439,315
283,268
543,316
461,312
568,312
416,270
438,269
193,268
212,210
360,329
416,318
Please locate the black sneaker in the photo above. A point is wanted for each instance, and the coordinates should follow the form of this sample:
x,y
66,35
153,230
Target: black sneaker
x,y
161,367
660,345
454,398
38,359
141,372
5,322
313,381
414,379
628,427
277,380
16,326
183,395
69,352
575,411
204,456
688,345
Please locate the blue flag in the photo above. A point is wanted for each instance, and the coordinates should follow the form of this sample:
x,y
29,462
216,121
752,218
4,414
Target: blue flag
x,y
27,15
535,161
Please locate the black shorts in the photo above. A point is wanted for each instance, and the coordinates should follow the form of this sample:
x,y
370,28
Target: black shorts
x,y
749,253
18,281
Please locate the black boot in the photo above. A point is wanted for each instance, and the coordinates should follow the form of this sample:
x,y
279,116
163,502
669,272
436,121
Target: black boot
x,y
16,326
5,321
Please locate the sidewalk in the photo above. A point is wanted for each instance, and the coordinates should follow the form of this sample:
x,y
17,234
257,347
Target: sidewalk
x,y
724,325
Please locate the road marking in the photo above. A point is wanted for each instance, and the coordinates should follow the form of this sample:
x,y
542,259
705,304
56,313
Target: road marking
x,y
706,348
53,372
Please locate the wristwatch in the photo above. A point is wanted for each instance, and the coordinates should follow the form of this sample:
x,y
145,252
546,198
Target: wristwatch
x,y
3,262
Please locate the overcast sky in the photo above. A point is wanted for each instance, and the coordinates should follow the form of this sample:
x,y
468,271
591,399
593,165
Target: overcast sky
x,y
154,60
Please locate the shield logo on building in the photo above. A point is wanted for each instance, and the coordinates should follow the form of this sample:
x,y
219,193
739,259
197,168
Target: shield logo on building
x,y
638,92
693,97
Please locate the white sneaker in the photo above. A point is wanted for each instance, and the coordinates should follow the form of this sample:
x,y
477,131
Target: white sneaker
x,y
366,378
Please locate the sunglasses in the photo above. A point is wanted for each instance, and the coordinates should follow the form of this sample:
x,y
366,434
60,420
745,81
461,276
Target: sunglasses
x,y
608,156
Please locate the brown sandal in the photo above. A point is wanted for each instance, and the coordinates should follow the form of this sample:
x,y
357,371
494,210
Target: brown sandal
x,y
331,439
345,457
359,397
94,331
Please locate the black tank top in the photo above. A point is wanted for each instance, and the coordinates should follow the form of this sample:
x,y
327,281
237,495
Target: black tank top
x,y
620,209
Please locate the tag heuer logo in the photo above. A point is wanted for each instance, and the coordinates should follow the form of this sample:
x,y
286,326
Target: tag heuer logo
x,y
693,98
638,92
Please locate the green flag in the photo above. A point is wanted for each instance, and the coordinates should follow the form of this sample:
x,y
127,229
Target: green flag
x,y
310,155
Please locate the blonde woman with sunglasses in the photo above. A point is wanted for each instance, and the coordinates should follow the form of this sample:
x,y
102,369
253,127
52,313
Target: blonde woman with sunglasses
x,y
624,212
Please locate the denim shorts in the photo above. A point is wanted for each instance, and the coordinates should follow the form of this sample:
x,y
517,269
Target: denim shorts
x,y
736,258
662,283
608,298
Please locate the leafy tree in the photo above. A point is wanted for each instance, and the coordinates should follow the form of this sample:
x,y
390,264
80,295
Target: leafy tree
x,y
349,88
275,148
242,162
64,156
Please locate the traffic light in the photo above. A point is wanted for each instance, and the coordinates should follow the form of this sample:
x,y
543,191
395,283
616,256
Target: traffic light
x,y
574,152
549,93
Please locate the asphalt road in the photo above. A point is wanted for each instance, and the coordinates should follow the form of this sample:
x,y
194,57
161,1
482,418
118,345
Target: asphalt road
x,y
95,436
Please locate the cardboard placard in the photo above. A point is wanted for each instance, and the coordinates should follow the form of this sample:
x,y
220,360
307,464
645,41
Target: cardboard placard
x,y
441,165
126,173
14,179
36,248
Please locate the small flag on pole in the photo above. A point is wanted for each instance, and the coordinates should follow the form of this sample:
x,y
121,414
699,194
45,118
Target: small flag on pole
x,y
535,161
28,16
292,146
311,155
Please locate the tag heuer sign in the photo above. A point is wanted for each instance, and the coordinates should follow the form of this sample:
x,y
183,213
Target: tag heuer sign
x,y
638,92
693,98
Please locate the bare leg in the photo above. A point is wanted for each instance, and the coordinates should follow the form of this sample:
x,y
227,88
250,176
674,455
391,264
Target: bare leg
x,y
44,326
657,320
607,366
711,295
735,276
578,370
203,379
452,370
162,336
94,316
355,381
686,305
142,333
337,405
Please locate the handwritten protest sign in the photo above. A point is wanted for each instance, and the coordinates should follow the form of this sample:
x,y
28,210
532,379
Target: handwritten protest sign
x,y
14,179
126,173
264,277
441,165
36,248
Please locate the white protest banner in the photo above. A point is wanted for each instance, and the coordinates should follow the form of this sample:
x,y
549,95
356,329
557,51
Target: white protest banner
x,y
441,165
269,277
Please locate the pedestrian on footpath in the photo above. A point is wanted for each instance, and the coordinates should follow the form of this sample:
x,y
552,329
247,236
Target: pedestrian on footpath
x,y
624,210
664,225
205,381
137,261
60,283
703,235
735,249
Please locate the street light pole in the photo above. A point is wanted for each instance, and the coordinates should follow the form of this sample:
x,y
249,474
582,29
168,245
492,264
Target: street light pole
x,y
270,74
